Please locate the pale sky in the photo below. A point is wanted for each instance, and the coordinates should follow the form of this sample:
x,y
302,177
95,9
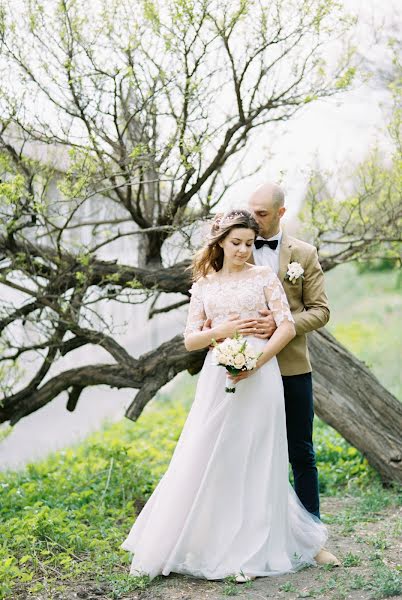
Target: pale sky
x,y
334,133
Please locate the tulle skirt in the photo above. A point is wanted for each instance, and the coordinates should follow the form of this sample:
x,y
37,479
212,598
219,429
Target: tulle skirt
x,y
225,504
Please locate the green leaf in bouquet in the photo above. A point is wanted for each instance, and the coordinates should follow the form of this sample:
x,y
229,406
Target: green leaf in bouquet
x,y
233,370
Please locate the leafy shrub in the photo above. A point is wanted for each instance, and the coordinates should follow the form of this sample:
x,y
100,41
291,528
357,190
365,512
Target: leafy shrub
x,y
378,264
340,466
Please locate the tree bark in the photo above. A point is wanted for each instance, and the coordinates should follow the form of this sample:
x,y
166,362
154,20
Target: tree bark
x,y
350,398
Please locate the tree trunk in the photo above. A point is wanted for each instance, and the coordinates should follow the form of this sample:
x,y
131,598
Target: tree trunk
x,y
350,398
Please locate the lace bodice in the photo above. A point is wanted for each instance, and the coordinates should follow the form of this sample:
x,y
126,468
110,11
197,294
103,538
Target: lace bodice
x,y
218,296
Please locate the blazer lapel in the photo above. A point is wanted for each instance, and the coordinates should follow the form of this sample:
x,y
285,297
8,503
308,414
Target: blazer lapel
x,y
284,256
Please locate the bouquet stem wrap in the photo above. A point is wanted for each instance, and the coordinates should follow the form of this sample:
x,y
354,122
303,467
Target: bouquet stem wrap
x,y
230,386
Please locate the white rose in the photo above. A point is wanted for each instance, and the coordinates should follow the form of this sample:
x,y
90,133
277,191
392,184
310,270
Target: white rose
x,y
249,352
216,355
222,358
250,364
239,361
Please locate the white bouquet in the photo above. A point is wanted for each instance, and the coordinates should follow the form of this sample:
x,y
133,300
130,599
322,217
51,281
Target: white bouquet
x,y
236,355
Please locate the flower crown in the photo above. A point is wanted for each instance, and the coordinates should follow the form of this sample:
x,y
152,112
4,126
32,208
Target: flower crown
x,y
223,219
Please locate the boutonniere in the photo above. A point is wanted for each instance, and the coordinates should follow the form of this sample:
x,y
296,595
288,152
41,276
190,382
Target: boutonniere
x,y
295,270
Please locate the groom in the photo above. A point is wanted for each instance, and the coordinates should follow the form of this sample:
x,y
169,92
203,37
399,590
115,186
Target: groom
x,y
309,305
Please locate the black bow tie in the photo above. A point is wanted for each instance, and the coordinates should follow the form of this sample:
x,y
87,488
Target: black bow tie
x,y
271,243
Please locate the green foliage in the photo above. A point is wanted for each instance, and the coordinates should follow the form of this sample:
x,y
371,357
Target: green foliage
x,y
70,513
366,311
339,464
12,190
357,582
104,56
80,174
287,587
385,583
364,224
230,587
5,431
346,79
351,560
380,264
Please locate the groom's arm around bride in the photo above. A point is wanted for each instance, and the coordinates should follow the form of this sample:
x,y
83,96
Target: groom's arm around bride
x,y
307,300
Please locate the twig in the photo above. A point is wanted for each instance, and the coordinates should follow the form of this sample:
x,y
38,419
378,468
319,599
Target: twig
x,y
108,480
164,309
64,548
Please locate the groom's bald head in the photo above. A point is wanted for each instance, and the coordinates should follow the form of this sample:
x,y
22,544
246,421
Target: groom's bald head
x,y
267,204
269,194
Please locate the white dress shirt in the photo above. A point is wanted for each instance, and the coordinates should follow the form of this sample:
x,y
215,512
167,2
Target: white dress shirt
x,y
264,256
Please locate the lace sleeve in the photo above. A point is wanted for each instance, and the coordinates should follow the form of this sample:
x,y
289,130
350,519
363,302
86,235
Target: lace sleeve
x,y
196,313
277,300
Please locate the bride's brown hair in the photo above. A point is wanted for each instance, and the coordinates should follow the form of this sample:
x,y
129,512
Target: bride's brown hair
x,y
210,256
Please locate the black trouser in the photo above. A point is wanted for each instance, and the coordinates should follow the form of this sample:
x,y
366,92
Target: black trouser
x,y
299,422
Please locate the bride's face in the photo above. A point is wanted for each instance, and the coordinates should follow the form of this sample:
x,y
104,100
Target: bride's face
x,y
238,245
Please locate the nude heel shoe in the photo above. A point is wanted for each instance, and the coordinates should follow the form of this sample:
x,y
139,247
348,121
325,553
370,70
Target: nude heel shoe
x,y
243,578
326,558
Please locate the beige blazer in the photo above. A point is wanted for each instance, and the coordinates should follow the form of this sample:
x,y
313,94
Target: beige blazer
x,y
307,300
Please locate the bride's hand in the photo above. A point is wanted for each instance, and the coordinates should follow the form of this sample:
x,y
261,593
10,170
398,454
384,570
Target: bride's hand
x,y
242,375
245,374
233,325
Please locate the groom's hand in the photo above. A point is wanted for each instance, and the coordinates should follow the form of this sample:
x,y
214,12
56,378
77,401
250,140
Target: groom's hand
x,y
207,325
266,324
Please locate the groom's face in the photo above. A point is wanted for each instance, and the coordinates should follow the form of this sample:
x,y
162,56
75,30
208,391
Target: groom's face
x,y
267,214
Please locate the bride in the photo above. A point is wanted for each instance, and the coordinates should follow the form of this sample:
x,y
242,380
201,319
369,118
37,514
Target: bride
x,y
225,506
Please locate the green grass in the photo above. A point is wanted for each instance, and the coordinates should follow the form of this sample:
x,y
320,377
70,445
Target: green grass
x,y
65,517
366,316
385,583
287,587
351,560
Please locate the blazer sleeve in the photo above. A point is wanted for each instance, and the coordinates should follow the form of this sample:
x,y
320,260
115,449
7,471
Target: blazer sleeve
x,y
316,309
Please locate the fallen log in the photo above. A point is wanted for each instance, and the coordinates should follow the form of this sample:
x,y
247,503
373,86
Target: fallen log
x,y
350,398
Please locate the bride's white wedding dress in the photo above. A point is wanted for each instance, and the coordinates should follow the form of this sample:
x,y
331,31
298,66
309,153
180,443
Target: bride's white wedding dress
x,y
225,504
